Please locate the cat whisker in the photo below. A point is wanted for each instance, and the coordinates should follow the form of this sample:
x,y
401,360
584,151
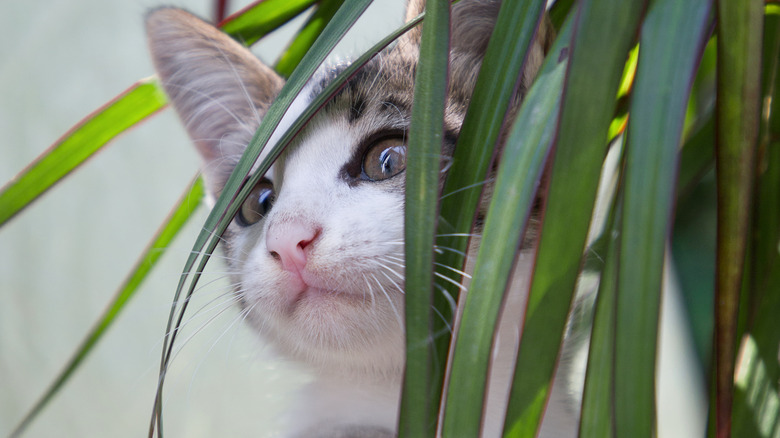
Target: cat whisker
x,y
446,323
468,187
236,319
221,307
445,248
449,280
200,328
370,291
458,235
447,296
457,271
392,305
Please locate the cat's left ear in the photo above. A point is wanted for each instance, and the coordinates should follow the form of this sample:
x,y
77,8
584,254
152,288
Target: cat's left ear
x,y
217,86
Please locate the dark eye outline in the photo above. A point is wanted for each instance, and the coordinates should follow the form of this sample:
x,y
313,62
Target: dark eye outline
x,y
400,142
263,192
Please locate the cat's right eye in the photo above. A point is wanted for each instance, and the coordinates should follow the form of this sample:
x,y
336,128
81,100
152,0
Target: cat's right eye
x,y
385,159
257,204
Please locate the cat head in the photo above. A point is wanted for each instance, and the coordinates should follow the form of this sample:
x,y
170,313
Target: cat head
x,y
317,248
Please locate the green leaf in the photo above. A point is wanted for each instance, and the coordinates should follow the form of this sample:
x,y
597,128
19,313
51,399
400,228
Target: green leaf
x,y
175,221
419,407
77,145
696,157
306,36
756,401
597,419
672,38
604,33
257,20
739,26
514,30
758,371
519,174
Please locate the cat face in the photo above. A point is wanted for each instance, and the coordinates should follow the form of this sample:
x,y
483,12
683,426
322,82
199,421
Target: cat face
x,y
317,249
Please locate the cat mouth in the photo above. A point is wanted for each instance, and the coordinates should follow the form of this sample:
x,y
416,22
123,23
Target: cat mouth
x,y
311,295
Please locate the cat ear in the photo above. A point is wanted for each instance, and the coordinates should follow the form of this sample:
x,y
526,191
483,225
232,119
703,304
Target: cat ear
x,y
472,23
217,86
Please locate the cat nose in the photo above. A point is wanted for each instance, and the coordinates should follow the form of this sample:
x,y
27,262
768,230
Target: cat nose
x,y
287,243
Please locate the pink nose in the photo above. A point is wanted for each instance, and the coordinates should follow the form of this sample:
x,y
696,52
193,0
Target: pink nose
x,y
287,242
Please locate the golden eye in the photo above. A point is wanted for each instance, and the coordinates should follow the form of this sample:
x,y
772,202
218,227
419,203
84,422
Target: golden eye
x,y
385,159
257,204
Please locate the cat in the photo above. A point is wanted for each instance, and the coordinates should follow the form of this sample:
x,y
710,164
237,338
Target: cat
x,y
318,245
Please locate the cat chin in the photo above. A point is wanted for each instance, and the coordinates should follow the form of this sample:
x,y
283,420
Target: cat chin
x,y
332,332
372,360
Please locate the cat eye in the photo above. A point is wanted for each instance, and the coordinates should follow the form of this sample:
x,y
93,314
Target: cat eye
x,y
385,159
257,204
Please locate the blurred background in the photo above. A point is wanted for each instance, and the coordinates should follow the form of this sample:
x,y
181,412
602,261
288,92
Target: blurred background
x,y
62,259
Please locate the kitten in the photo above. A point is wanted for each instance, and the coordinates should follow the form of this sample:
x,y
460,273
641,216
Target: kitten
x,y
318,245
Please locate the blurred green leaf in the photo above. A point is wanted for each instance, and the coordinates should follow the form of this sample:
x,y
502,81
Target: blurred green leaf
x,y
77,145
672,38
495,87
519,175
739,26
756,401
419,407
603,35
597,419
758,369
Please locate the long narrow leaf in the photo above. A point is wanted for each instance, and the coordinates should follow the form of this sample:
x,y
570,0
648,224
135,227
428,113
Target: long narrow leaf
x,y
519,175
603,35
757,383
495,87
672,39
77,145
736,125
306,36
175,221
256,20
597,419
419,407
